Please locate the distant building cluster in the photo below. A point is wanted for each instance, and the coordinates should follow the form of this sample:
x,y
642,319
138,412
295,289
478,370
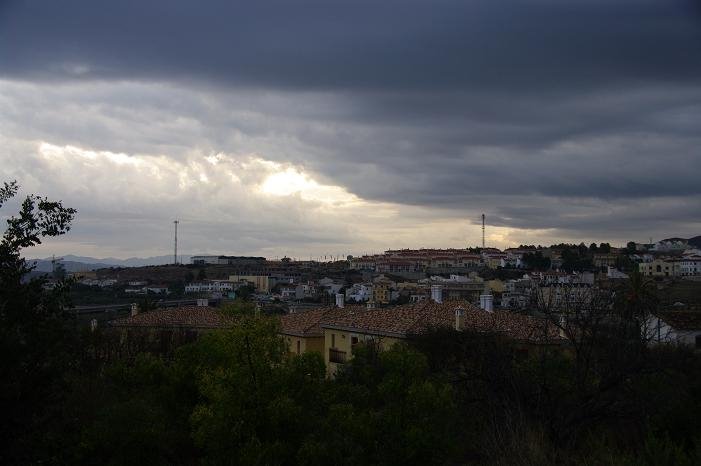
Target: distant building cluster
x,y
687,265
226,260
400,276
332,306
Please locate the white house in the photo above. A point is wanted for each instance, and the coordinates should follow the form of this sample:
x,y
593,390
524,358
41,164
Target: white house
x,y
682,327
158,289
210,286
359,292
288,292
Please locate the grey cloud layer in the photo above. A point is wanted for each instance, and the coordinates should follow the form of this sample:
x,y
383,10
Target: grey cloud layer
x,y
358,44
581,116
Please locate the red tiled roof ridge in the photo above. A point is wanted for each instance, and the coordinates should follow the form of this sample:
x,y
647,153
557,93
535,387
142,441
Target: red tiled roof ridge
x,y
413,319
307,323
180,317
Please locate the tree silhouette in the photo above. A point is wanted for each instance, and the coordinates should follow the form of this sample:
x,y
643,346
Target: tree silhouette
x,y
36,329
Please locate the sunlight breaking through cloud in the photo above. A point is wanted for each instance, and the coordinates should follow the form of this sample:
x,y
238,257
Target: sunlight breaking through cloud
x,y
290,181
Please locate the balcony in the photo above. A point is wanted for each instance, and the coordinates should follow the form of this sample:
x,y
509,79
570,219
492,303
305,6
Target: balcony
x,y
337,356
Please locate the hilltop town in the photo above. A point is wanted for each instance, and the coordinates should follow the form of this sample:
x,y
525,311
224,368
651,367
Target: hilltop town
x,y
404,276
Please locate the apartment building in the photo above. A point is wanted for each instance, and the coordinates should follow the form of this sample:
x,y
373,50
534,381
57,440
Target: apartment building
x,y
260,282
603,260
211,286
690,266
660,267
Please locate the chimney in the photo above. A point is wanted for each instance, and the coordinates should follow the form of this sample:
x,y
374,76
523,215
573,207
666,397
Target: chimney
x,y
459,319
134,309
437,293
562,327
202,302
487,302
340,299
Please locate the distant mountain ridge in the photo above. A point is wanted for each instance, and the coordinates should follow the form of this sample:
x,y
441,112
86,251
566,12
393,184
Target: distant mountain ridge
x,y
74,263
695,241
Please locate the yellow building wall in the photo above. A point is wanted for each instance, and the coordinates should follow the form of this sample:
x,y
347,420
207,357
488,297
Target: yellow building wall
x,y
306,344
493,263
380,293
343,341
261,282
496,285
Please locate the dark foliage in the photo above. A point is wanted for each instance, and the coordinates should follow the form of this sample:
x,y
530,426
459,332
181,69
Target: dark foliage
x,y
536,261
37,341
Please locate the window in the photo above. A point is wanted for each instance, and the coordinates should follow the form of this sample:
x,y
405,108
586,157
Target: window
x,y
354,341
298,347
333,340
336,356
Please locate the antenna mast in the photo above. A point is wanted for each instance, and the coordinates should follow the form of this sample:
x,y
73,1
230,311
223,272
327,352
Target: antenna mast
x,y
175,253
482,231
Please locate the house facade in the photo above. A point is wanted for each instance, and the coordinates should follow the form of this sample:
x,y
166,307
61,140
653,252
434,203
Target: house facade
x,y
387,326
677,327
660,268
302,331
690,266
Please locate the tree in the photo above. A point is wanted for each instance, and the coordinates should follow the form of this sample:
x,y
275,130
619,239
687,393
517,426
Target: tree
x,y
239,307
536,261
385,408
245,292
625,264
59,271
37,336
147,304
577,259
255,404
608,337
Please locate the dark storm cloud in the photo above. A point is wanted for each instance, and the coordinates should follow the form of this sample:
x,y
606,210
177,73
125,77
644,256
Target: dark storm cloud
x,y
357,44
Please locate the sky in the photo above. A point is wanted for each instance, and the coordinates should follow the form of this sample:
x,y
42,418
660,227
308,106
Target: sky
x,y
339,127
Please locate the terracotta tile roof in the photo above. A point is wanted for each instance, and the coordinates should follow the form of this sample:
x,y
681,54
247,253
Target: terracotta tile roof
x,y
414,319
181,317
512,325
396,320
308,323
682,320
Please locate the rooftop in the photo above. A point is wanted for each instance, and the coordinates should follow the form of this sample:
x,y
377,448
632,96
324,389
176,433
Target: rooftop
x,y
413,319
308,323
191,317
682,320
